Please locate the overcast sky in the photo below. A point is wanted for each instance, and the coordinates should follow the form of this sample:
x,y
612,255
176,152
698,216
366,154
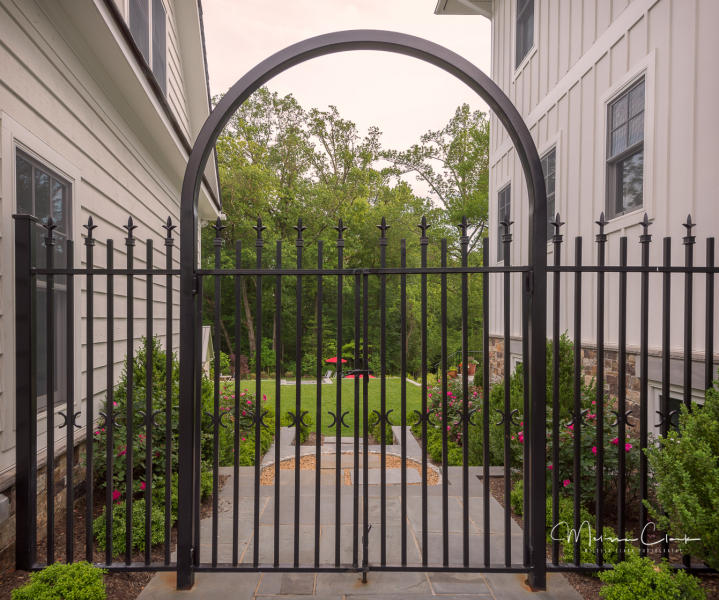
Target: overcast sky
x,y
403,96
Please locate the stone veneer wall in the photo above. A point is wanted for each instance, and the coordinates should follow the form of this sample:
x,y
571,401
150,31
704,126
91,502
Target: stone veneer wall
x,y
7,519
589,368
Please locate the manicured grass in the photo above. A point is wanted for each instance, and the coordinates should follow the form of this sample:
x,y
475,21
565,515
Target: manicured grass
x,y
329,400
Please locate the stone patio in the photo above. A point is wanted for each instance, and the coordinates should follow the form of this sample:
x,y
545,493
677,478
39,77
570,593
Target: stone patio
x,y
392,585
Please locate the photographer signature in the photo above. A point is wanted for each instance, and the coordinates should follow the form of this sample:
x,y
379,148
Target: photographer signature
x,y
576,534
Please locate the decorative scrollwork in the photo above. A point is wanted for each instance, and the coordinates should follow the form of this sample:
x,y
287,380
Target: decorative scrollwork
x,y
105,420
665,418
510,418
467,416
297,421
334,419
582,414
621,418
258,418
153,423
382,417
421,418
220,415
65,420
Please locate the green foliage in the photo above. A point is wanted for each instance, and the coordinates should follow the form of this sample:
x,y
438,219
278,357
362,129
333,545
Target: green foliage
x,y
641,578
267,357
375,430
685,465
516,497
304,429
119,514
75,581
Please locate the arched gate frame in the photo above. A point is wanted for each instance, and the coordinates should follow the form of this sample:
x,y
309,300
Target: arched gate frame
x,y
537,277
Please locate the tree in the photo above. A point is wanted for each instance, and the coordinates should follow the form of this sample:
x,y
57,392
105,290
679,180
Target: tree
x,y
454,163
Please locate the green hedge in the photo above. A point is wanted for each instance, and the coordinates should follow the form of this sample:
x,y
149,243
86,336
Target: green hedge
x,y
76,581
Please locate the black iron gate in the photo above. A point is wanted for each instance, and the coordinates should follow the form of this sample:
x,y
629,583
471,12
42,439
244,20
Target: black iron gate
x,y
175,428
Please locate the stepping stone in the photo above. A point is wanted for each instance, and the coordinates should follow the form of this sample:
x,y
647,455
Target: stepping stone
x,y
394,476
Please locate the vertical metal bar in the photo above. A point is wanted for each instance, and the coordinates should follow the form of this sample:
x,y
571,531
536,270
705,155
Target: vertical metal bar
x,y
278,421
217,347
25,396
383,393
557,242
195,550
149,417
526,555
318,411
622,395
355,487
464,246
236,409
90,398
445,391
299,244
506,240
601,248
709,329
259,243
50,408
130,409
338,401
70,422
424,241
644,240
664,417
485,401
169,242
110,386
577,420
689,241
403,397
365,425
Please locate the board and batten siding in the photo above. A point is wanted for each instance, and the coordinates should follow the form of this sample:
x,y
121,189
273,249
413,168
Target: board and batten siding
x,y
52,107
585,54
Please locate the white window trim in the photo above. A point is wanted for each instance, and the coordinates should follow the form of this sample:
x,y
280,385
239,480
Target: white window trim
x,y
14,136
517,70
555,142
495,218
675,391
644,68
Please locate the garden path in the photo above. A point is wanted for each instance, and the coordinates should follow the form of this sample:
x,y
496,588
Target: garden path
x,y
386,585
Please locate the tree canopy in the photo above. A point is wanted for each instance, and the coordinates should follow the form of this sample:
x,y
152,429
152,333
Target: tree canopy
x,y
280,162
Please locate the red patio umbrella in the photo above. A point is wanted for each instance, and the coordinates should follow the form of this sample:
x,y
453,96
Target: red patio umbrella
x,y
360,376
333,360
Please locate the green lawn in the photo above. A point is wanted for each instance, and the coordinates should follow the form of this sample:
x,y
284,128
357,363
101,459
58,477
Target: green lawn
x,y
329,400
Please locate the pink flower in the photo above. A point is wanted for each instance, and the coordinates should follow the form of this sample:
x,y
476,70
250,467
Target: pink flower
x,y
142,485
244,413
566,483
627,447
122,452
550,467
264,397
594,449
570,427
615,441
249,402
115,495
521,437
521,423
513,438
244,439
594,402
114,403
429,395
591,416
448,427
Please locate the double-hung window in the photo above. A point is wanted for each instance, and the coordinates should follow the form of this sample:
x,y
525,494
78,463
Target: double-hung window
x,y
43,193
148,29
524,34
625,151
504,205
549,167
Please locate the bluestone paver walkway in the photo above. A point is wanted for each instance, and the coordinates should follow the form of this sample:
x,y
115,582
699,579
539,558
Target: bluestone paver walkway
x,y
386,585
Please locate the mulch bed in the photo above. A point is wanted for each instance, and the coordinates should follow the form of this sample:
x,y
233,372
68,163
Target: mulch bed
x,y
588,586
119,586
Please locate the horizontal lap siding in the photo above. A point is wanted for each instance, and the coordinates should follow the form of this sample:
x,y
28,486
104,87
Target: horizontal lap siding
x,y
680,176
48,92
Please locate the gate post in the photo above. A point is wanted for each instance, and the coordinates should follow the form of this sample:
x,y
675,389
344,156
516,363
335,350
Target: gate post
x,y
25,396
187,465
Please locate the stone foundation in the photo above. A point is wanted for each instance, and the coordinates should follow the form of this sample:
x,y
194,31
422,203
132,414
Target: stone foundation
x,y
9,504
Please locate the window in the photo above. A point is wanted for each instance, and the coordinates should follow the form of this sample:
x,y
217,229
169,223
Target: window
x,y
525,30
549,168
152,47
504,203
625,152
43,193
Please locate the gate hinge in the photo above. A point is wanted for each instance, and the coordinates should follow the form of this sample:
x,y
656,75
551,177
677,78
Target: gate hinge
x,y
195,284
529,282
192,555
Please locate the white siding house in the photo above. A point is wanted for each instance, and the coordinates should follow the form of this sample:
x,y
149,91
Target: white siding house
x,y
100,101
620,97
